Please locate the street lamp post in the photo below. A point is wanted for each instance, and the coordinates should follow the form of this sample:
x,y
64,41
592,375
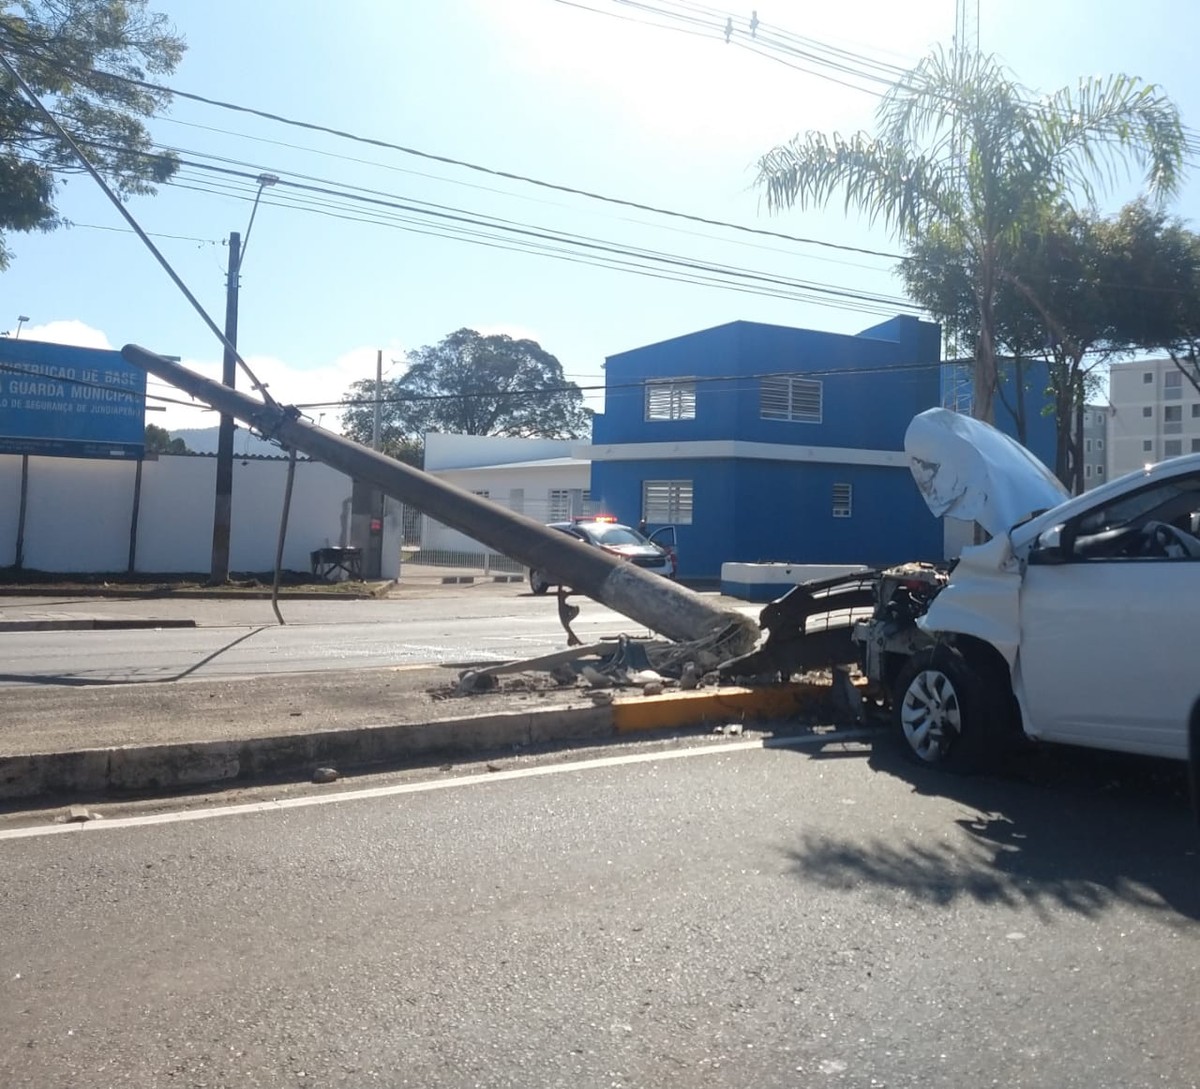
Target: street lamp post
x,y
21,320
223,506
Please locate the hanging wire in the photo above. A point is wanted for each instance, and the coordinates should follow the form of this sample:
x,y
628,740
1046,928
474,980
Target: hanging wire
x,y
283,523
133,223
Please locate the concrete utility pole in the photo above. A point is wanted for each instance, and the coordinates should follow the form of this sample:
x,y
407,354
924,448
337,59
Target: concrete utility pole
x,y
660,604
377,425
223,508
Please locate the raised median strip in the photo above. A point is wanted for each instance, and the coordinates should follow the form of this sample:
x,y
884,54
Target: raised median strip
x,y
171,766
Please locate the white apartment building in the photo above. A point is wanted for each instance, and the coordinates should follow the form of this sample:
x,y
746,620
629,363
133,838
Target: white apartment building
x,y
1155,415
1095,445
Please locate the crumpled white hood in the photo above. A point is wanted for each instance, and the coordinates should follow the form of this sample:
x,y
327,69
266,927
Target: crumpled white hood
x,y
967,469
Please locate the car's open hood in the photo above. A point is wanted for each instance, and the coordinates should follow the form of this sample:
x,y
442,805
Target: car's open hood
x,y
967,469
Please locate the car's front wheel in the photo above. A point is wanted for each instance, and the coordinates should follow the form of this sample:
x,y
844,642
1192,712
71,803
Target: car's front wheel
x,y
538,582
943,711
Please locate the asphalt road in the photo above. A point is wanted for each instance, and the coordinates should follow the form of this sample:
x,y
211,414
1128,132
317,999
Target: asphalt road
x,y
492,622
735,918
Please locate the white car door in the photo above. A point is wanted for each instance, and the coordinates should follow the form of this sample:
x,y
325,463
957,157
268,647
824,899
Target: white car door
x,y
1109,623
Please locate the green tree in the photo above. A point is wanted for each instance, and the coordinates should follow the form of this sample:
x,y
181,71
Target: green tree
x,y
1156,285
159,441
1077,292
472,385
1053,303
961,146
78,56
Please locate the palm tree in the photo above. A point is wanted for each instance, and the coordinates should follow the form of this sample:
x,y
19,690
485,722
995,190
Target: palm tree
x,y
963,147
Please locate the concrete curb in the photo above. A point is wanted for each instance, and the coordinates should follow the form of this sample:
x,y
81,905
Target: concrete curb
x,y
675,710
66,624
127,593
179,766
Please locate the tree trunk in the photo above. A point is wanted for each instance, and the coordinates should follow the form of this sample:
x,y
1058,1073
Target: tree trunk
x,y
983,390
1061,383
1080,397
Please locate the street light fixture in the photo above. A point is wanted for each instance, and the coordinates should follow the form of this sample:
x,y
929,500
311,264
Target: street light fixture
x,y
223,506
264,181
21,320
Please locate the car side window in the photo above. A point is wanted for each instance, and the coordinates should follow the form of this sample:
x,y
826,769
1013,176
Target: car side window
x,y
1158,522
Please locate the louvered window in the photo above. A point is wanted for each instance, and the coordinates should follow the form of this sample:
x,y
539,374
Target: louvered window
x,y
667,502
788,397
843,500
671,399
559,509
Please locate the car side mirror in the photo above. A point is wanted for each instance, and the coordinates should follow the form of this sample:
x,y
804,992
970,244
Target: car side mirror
x,y
1049,547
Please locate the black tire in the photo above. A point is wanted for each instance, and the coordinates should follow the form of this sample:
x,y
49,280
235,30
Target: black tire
x,y
1193,764
538,582
946,712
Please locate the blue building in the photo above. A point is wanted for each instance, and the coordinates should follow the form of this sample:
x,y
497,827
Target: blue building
x,y
763,443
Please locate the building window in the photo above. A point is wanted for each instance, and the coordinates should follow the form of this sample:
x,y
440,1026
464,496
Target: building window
x,y
1172,448
671,399
1099,470
558,509
843,500
1172,379
1148,377
1087,472
1147,446
667,501
1195,412
789,397
1148,411
1087,446
1172,413
1099,444
1196,446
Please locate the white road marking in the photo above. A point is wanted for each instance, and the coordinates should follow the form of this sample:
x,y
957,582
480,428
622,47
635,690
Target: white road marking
x,y
480,779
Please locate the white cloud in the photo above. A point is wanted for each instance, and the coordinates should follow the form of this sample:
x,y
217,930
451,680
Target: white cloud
x,y
286,383
74,332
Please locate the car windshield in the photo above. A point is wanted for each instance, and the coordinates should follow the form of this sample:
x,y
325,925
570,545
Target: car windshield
x,y
614,536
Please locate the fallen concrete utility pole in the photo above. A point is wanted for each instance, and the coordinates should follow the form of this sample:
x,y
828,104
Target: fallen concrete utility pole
x,y
662,605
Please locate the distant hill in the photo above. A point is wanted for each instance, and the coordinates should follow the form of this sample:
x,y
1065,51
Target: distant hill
x,y
203,440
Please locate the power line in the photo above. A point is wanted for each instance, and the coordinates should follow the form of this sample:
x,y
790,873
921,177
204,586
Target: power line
x,y
767,41
441,178
457,223
737,381
495,172
71,224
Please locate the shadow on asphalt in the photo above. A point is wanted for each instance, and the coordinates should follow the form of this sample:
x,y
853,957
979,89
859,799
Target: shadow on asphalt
x,y
69,680
1055,829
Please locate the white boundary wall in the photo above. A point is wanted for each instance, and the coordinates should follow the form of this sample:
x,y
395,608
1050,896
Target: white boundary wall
x,y
78,514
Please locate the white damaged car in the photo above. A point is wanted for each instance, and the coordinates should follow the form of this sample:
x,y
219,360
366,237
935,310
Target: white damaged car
x,y
1076,622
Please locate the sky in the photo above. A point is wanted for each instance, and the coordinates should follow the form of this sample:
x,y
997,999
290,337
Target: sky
x,y
587,94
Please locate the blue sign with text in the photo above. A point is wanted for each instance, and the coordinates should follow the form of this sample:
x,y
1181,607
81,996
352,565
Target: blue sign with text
x,y
62,401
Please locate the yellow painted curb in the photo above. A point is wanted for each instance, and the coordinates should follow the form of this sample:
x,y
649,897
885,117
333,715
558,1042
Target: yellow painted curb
x,y
674,710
